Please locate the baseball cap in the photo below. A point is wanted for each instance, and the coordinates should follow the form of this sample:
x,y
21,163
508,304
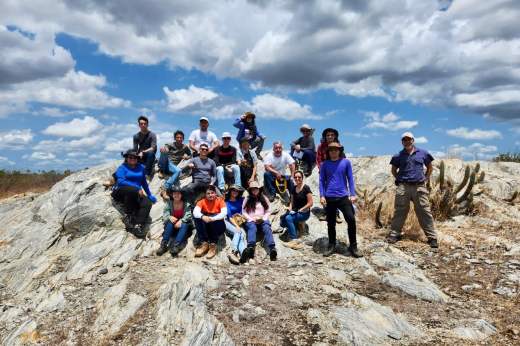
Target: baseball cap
x,y
204,118
408,134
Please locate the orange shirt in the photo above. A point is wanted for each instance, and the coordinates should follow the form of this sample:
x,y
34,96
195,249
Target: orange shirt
x,y
207,207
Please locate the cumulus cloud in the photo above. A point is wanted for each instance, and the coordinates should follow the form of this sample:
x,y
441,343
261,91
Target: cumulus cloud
x,y
356,134
475,151
56,112
476,134
4,161
438,154
16,139
393,126
75,128
420,140
37,155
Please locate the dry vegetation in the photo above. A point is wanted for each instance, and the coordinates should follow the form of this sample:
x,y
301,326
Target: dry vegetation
x,y
13,182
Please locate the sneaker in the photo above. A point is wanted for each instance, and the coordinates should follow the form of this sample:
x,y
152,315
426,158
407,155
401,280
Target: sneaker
x,y
164,195
251,252
330,250
139,231
202,250
338,219
110,182
175,249
323,217
393,239
273,253
246,254
162,250
291,244
161,175
128,221
355,251
433,243
233,258
212,251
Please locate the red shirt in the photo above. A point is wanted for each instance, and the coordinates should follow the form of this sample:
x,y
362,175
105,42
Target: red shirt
x,y
207,207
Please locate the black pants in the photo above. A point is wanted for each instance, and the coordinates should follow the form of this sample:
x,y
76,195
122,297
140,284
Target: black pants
x,y
196,188
345,206
129,196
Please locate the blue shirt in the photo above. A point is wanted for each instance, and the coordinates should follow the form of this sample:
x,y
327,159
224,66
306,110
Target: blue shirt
x,y
135,177
234,207
333,178
411,166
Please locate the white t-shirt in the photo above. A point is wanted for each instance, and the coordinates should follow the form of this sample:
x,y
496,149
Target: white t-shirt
x,y
279,164
199,137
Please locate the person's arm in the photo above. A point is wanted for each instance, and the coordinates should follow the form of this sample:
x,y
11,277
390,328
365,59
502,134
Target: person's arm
x,y
247,215
144,184
311,145
167,211
254,171
294,143
394,171
309,203
259,134
187,166
136,142
292,167
319,156
292,201
221,215
234,156
213,172
193,147
238,124
197,212
240,156
186,151
429,170
216,144
267,212
351,186
270,169
187,215
217,157
154,142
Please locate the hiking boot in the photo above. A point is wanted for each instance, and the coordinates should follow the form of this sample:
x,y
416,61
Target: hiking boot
x,y
393,239
355,251
161,175
162,250
164,195
323,217
233,258
330,250
110,182
212,251
203,248
338,219
273,253
291,244
251,252
245,255
175,249
139,231
433,243
128,220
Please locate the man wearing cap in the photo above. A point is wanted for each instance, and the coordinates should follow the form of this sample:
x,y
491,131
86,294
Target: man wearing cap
x,y
197,137
305,149
408,171
226,162
247,128
276,163
248,163
145,143
334,174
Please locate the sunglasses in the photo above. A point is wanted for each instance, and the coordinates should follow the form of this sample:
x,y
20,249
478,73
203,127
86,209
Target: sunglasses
x,y
298,177
226,138
132,157
204,149
305,131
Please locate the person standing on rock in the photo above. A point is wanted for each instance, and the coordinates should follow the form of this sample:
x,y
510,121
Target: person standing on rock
x,y
177,218
299,209
304,149
408,171
209,217
203,136
276,164
256,209
329,135
248,163
334,194
234,202
171,155
204,174
145,143
130,178
246,124
226,162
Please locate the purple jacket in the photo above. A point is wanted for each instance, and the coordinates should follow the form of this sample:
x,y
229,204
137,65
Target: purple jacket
x,y
333,179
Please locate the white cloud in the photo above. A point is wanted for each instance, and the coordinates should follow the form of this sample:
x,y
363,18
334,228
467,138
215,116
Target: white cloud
x,y
16,139
56,112
390,117
375,134
362,148
37,155
474,151
349,155
465,133
75,128
393,126
438,154
274,107
420,140
357,134
372,116
109,117
77,154
5,161
183,98
114,145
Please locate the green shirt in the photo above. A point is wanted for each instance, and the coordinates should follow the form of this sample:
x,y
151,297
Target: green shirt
x,y
176,153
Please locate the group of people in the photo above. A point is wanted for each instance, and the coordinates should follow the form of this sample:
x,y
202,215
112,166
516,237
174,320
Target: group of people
x,y
223,209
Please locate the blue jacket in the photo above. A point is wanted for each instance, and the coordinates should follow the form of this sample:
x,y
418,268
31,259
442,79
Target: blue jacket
x,y
241,126
135,177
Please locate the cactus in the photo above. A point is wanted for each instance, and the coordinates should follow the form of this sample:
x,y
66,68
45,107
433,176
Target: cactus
x,y
477,168
379,224
466,193
463,182
441,175
512,200
481,177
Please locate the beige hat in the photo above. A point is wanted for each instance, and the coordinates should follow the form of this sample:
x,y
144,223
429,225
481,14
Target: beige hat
x,y
408,134
333,145
226,135
305,127
254,184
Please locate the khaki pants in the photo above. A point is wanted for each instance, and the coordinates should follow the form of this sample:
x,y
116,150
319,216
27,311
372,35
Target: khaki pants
x,y
418,194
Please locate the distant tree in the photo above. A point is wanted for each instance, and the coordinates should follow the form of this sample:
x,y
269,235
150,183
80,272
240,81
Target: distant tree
x,y
508,157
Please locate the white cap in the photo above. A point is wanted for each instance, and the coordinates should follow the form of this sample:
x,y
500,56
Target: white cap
x,y
204,118
408,134
226,134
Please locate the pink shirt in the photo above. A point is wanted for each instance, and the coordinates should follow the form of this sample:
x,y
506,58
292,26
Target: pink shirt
x,y
259,211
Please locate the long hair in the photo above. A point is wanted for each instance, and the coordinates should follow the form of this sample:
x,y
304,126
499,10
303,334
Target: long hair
x,y
251,201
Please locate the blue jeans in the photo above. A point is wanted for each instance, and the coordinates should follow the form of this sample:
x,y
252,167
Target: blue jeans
x,y
269,181
238,238
309,157
291,219
252,228
149,160
220,176
217,228
170,229
167,167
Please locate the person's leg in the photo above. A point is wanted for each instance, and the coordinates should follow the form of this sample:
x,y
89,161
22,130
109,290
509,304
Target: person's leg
x,y
232,231
168,231
163,162
331,221
421,205
239,240
182,233
345,206
200,227
309,157
236,173
175,171
220,178
401,208
145,205
289,223
269,179
257,145
149,159
217,229
266,228
251,234
129,196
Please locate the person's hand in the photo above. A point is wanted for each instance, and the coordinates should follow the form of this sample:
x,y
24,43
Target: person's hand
x,y
173,219
258,222
163,150
291,178
278,176
250,180
353,199
207,219
191,165
230,170
141,154
297,149
141,193
263,137
178,224
185,157
323,201
239,230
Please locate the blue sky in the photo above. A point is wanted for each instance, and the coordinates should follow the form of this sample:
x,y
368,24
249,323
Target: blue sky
x,y
75,78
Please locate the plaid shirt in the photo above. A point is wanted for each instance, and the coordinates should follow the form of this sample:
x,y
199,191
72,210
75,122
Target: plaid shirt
x,y
321,155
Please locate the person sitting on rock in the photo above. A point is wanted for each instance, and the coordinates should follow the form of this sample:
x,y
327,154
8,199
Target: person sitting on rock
x,y
203,172
248,163
256,209
276,164
203,136
299,209
234,201
145,143
209,217
131,177
177,219
329,135
226,162
256,138
304,149
171,155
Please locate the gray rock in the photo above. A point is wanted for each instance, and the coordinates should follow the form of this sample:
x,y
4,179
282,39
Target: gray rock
x,y
415,288
270,287
103,271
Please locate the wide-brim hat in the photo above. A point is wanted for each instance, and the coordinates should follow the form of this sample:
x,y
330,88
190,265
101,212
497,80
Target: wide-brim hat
x,y
329,129
254,184
130,152
237,188
226,135
305,127
249,114
334,145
